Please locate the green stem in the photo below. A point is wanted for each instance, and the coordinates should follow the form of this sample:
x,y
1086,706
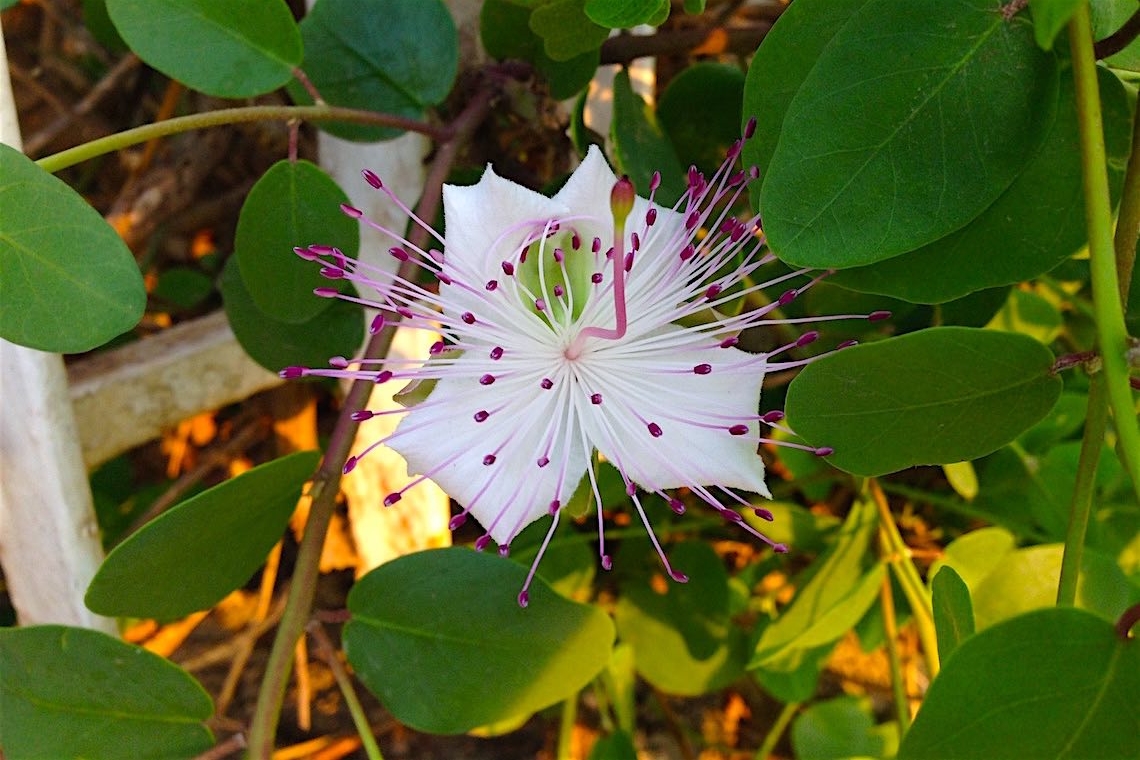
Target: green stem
x,y
1112,337
566,728
328,653
120,140
772,738
1081,507
1128,223
891,632
898,556
326,482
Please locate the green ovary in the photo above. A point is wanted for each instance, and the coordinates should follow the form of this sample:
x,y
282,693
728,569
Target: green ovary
x,y
573,275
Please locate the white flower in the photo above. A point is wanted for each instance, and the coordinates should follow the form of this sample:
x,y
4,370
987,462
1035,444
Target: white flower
x,y
585,323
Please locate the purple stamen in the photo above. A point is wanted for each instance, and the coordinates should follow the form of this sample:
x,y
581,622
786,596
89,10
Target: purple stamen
x,y
487,379
392,498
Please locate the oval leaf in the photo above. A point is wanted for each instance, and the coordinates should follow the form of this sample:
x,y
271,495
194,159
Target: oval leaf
x,y
71,284
953,611
714,91
877,158
71,692
640,146
458,607
833,601
780,66
947,394
504,28
394,56
336,331
294,203
684,641
1056,683
251,46
193,555
1038,222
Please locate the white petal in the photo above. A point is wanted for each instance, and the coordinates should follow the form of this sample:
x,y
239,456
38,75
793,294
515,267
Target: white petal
x,y
588,189
641,388
513,491
485,224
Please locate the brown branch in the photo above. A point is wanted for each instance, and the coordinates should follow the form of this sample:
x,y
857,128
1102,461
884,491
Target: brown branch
x,y
628,47
1118,40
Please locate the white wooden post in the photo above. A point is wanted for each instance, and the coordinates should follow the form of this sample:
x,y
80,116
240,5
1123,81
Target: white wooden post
x,y
49,540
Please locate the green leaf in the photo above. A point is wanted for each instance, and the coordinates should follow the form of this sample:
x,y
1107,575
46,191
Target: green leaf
x,y
566,30
877,158
458,607
616,746
694,6
712,90
1055,683
1049,18
71,692
953,611
1028,313
1036,224
225,48
684,640
1027,579
781,64
293,204
836,729
623,14
831,602
640,146
70,284
974,555
191,556
336,331
183,287
505,30
98,22
947,394
395,56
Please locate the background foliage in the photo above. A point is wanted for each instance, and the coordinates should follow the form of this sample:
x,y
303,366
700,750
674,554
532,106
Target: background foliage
x,y
931,152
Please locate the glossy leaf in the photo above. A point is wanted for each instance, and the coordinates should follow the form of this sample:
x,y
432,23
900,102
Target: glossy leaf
x,y
336,331
684,640
72,692
1049,18
714,91
398,57
941,395
615,746
1036,224
781,64
623,14
504,28
838,728
640,145
191,556
70,283
1055,683
458,607
833,600
293,204
1026,579
974,555
876,159
953,611
253,45
566,30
